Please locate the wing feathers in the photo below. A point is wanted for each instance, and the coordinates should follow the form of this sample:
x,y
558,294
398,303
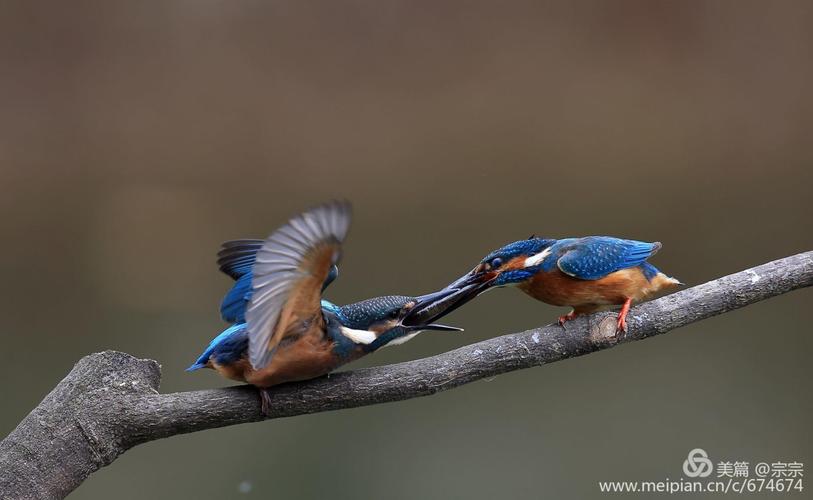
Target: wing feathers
x,y
594,257
236,257
288,274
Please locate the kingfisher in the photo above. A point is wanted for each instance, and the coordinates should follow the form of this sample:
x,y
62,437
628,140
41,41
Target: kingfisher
x,y
281,329
588,274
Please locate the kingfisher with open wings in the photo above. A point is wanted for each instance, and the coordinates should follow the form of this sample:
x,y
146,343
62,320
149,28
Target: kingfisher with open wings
x,y
282,330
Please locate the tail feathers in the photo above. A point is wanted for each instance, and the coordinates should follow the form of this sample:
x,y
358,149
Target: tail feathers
x,y
653,274
649,270
662,283
197,366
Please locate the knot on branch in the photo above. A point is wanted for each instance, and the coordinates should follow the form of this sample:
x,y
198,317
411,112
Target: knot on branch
x,y
602,328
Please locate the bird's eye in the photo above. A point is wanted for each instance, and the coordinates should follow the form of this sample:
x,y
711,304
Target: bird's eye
x,y
394,313
496,262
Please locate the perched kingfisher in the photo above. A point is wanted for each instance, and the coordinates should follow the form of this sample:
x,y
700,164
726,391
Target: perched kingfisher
x,y
281,329
587,274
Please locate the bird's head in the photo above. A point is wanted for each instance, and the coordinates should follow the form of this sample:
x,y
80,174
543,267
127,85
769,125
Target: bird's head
x,y
394,319
510,265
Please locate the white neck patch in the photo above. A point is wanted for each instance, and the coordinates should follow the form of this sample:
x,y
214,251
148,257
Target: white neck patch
x,y
359,336
535,260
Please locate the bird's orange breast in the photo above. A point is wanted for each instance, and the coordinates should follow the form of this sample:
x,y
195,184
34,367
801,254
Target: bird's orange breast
x,y
557,288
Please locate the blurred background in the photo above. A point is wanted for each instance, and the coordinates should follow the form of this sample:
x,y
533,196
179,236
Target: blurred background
x,y
136,136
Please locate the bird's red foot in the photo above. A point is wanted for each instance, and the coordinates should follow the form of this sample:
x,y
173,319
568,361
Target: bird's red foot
x,y
621,325
565,318
265,402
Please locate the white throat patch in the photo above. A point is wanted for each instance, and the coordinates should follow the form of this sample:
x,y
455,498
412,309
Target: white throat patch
x,y
535,260
401,340
359,336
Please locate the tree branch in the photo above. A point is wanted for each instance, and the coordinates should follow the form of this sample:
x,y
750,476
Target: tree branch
x,y
109,402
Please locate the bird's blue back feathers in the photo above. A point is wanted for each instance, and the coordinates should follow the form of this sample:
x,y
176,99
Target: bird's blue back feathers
x,y
594,257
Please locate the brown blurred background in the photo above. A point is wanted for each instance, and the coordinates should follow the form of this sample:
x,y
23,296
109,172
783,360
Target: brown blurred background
x,y
136,136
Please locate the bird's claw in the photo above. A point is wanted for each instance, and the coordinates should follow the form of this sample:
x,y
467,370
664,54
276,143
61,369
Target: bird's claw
x,y
565,318
621,325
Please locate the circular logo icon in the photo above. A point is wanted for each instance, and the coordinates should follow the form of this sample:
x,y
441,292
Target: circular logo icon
x,y
697,464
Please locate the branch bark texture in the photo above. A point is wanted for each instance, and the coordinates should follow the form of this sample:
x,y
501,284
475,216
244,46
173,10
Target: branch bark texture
x,y
109,402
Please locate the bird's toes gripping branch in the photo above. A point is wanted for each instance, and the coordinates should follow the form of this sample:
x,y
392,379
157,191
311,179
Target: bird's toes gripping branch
x,y
621,325
566,317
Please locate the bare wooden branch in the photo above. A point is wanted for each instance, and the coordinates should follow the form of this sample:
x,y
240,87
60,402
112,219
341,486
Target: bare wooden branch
x,y
109,402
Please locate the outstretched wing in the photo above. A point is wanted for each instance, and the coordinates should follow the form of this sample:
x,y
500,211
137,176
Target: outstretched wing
x,y
594,257
236,259
288,274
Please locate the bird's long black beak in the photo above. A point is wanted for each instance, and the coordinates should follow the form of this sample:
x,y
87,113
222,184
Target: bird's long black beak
x,y
433,306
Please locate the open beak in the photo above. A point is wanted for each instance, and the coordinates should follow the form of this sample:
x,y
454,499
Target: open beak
x,y
429,308
433,306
